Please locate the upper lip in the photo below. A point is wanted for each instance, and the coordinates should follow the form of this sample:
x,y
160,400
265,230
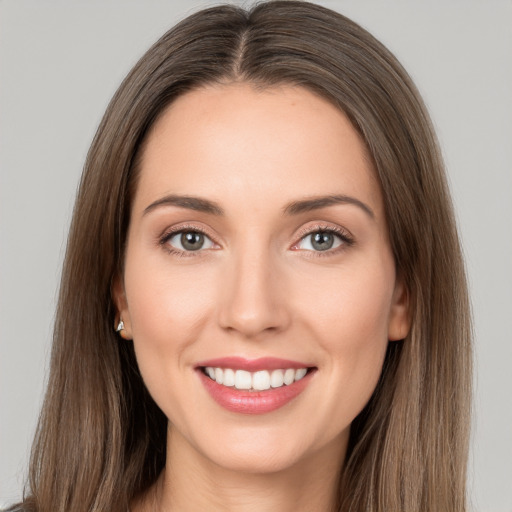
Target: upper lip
x,y
253,365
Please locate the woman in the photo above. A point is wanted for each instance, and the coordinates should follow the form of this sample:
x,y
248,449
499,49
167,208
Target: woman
x,y
263,302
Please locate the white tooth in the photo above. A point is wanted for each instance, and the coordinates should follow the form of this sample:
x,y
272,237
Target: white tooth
x,y
289,376
211,372
229,377
261,380
299,374
277,378
243,380
219,375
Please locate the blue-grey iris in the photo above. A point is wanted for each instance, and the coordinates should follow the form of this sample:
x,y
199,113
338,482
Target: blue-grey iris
x,y
322,240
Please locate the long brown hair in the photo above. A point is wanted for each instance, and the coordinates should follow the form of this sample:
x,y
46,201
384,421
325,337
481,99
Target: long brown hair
x,y
101,438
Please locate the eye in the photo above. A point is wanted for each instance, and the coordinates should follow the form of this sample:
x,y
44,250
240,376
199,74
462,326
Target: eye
x,y
322,240
187,241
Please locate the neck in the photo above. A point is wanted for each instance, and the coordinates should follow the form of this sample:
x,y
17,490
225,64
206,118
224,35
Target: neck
x,y
191,482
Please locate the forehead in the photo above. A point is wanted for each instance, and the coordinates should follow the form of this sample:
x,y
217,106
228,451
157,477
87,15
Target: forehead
x,y
234,141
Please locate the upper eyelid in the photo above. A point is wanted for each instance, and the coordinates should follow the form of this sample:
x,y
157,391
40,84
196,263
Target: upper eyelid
x,y
174,230
322,227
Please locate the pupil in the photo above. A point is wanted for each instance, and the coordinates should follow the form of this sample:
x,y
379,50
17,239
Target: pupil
x,y
192,241
322,241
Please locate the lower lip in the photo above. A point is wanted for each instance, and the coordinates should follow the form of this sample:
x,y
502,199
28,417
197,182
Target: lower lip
x,y
253,402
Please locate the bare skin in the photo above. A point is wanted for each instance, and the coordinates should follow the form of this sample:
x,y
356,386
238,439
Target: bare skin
x,y
269,276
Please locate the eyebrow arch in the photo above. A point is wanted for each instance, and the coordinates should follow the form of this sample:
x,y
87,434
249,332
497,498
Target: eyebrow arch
x,y
315,203
293,208
189,202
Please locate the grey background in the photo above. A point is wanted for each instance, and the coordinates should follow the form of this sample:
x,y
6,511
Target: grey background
x,y
60,62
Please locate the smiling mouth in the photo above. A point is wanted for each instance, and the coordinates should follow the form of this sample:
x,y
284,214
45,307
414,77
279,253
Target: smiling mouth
x,y
261,380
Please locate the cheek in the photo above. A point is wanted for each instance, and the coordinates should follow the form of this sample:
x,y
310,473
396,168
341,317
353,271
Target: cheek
x,y
168,311
349,320
167,307
351,307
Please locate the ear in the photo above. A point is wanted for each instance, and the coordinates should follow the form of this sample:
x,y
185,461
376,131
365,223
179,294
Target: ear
x,y
119,298
399,315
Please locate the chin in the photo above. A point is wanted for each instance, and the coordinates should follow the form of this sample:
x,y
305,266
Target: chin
x,y
268,450
256,462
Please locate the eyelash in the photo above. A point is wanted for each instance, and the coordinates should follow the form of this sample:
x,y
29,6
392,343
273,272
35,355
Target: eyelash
x,y
346,240
182,229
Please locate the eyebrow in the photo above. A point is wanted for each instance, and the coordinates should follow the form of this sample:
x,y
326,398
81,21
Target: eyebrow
x,y
293,208
315,203
189,202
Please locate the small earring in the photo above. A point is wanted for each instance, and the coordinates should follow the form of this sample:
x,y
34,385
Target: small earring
x,y
120,326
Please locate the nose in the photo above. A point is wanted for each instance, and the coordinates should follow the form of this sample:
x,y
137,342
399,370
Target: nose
x,y
252,298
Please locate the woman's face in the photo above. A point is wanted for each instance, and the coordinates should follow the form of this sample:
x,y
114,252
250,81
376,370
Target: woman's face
x,y
257,253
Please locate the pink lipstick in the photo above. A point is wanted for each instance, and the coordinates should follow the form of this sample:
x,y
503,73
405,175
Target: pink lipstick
x,y
254,386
